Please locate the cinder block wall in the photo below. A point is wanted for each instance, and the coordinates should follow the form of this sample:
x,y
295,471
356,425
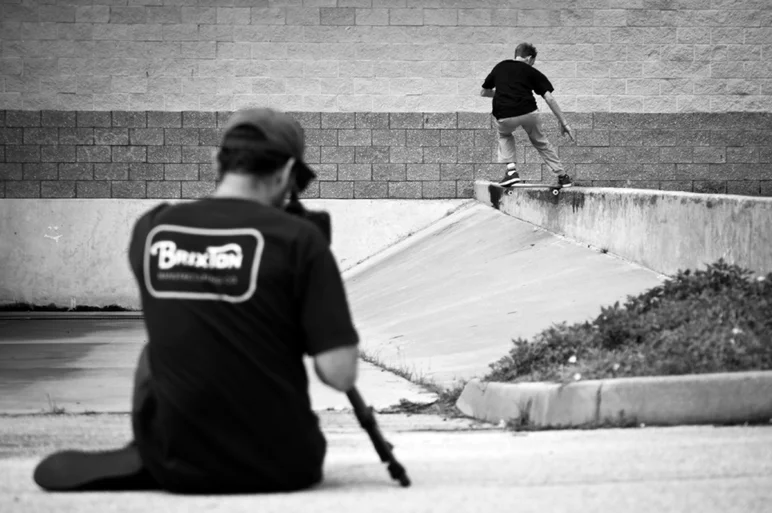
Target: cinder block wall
x,y
116,98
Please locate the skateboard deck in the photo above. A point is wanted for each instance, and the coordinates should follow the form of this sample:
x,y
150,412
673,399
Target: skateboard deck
x,y
555,189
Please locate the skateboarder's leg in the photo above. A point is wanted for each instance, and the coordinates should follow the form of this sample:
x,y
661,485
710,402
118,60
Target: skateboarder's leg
x,y
121,469
506,149
533,127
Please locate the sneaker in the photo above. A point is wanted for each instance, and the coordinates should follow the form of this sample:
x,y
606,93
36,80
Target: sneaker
x,y
74,470
565,181
510,177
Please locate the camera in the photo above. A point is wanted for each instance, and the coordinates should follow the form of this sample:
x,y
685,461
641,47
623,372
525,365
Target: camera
x,y
319,218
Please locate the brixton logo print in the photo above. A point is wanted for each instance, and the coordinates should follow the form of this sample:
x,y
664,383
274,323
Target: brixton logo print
x,y
202,264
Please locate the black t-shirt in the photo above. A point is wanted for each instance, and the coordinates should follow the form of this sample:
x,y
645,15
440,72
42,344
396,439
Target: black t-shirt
x,y
515,82
234,294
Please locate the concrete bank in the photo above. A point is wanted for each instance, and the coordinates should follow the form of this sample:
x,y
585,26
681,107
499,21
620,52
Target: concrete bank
x,y
664,231
437,305
73,252
722,398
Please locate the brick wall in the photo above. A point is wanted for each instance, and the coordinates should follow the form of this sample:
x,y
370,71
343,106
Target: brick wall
x,y
121,98
158,154
381,55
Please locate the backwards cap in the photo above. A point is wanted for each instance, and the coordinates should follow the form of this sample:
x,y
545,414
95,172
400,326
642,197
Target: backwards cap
x,y
281,134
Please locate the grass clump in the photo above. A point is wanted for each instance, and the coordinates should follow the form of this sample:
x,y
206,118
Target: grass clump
x,y
444,405
51,307
713,320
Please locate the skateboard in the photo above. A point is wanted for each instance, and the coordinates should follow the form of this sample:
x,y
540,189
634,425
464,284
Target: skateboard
x,y
554,189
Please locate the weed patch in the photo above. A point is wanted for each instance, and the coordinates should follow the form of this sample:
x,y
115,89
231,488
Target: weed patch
x,y
445,405
713,320
51,307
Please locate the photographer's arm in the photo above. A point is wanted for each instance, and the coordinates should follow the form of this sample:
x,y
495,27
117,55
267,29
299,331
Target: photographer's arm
x,y
338,368
331,339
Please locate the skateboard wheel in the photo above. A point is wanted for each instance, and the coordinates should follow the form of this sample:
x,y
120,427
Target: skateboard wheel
x,y
555,192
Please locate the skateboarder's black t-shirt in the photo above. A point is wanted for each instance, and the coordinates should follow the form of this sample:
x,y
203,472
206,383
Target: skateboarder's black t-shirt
x,y
234,294
515,82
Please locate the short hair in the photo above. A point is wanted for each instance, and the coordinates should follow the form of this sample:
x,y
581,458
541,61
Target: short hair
x,y
244,149
525,50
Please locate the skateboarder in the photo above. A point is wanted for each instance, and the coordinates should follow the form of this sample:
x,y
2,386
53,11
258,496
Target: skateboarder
x,y
511,84
235,291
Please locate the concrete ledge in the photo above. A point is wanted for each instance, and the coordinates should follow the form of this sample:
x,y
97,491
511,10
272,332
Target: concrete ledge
x,y
462,211
73,252
665,231
722,398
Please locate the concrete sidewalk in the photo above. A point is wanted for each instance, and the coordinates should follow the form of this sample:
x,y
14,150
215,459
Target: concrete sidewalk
x,y
673,470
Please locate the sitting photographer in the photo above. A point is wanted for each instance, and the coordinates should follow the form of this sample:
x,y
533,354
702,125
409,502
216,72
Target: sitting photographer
x,y
235,291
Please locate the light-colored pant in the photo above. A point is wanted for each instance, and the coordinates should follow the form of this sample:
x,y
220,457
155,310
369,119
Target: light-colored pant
x,y
531,123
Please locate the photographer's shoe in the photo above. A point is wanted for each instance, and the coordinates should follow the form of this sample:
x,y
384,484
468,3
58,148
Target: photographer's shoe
x,y
75,470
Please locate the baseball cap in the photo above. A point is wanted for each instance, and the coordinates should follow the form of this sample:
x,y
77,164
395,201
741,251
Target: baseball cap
x,y
281,134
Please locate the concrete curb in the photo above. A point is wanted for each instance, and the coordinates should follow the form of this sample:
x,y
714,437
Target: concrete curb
x,y
721,398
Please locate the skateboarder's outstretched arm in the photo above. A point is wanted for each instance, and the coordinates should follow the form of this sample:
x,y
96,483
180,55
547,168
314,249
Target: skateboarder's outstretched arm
x,y
553,104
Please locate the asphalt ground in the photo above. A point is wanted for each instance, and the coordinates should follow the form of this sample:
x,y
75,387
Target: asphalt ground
x,y
453,466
